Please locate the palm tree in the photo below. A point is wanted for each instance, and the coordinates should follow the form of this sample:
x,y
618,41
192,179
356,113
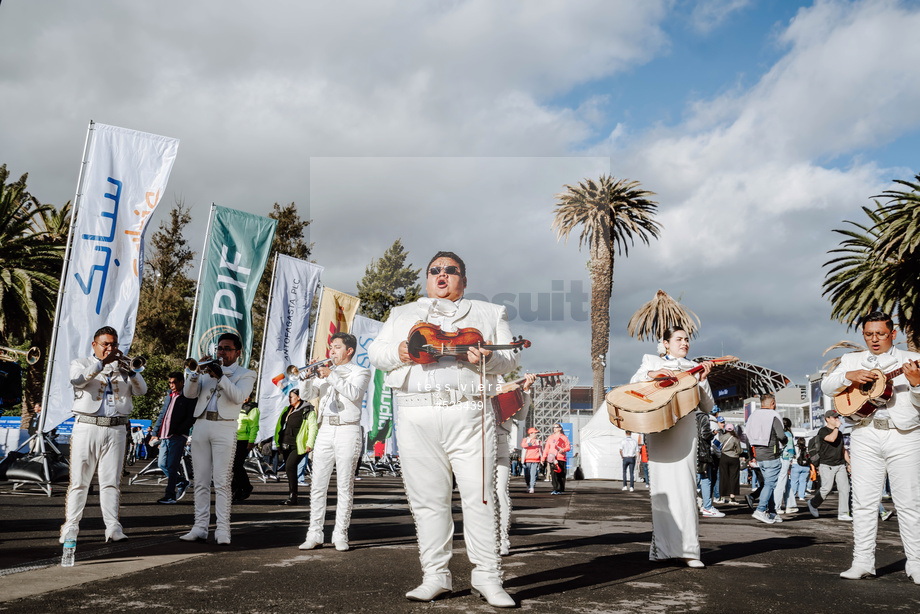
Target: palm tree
x,y
30,269
832,363
656,316
876,269
612,214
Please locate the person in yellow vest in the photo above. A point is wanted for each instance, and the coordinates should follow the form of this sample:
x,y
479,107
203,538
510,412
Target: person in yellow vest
x,y
247,428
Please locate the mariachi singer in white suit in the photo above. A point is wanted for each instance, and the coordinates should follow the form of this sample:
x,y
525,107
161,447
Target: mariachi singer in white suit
x,y
102,391
887,442
439,429
339,442
221,394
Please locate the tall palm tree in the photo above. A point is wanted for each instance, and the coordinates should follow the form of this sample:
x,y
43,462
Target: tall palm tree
x,y
656,316
612,215
874,272
30,269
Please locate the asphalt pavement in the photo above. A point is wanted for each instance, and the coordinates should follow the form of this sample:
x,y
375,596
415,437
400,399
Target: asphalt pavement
x,y
583,551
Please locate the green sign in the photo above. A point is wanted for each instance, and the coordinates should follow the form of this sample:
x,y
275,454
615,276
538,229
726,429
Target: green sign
x,y
237,250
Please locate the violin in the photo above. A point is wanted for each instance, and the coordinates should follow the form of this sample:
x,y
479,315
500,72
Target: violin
x,y
510,397
427,343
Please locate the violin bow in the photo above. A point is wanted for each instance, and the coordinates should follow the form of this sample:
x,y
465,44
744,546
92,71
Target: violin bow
x,y
482,392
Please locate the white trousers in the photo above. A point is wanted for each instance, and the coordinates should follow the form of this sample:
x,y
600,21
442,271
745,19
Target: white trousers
x,y
339,447
672,471
502,487
94,446
873,453
213,446
434,443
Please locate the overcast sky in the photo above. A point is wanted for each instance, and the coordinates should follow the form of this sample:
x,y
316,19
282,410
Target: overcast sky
x,y
761,126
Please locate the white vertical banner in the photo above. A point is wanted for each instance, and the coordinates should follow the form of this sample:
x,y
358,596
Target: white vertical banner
x,y
377,410
125,176
287,336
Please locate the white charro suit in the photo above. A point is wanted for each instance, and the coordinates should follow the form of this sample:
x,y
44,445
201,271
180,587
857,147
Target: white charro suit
x,y
93,445
444,434
214,441
338,444
890,444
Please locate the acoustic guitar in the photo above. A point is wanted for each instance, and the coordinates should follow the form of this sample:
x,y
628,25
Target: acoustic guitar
x,y
656,405
510,397
861,400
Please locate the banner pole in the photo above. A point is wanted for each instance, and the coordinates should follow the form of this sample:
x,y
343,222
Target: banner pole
x,y
77,199
268,311
204,253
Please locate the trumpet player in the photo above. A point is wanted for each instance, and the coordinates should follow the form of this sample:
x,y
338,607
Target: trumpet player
x,y
221,391
103,385
340,389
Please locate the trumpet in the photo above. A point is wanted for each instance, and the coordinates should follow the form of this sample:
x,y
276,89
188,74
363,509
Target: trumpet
x,y
136,364
307,372
12,355
200,367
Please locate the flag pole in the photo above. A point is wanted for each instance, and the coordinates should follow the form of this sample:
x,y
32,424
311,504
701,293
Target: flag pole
x,y
268,311
77,200
204,253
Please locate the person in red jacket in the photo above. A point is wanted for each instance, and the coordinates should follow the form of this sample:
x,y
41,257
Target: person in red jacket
x,y
554,451
533,456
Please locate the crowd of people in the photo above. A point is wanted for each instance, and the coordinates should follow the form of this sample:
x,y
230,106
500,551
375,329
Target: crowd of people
x,y
449,438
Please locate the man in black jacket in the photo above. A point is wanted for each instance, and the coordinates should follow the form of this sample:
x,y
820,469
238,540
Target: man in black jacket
x,y
171,429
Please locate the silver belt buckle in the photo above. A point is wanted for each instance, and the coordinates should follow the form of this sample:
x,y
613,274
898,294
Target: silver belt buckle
x,y
881,424
441,397
332,420
105,421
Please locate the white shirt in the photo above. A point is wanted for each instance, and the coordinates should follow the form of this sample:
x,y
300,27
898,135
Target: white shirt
x,y
629,447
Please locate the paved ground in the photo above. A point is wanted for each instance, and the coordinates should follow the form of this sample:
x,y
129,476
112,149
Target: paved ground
x,y
585,551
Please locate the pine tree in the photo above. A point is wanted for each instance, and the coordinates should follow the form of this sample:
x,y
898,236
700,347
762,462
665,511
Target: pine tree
x,y
387,283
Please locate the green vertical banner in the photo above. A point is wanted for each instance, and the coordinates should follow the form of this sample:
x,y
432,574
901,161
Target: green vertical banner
x,y
237,251
381,410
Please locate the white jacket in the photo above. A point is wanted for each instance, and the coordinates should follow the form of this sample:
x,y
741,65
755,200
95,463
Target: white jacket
x,y
89,383
232,391
347,384
904,405
490,320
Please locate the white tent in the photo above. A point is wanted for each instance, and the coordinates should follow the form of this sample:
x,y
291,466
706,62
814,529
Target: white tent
x,y
600,447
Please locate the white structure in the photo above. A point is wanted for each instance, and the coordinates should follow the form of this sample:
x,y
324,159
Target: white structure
x,y
600,447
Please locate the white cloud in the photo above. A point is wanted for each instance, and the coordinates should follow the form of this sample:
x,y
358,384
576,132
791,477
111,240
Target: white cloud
x,y
708,15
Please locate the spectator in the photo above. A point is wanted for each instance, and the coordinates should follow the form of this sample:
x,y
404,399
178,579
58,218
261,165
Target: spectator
x,y
800,469
629,447
833,464
779,494
532,452
730,465
643,462
554,453
704,465
765,432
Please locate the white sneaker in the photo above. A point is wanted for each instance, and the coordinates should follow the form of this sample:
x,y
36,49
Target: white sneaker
x,y
886,515
625,488
712,513
631,489
845,518
775,518
791,510
762,517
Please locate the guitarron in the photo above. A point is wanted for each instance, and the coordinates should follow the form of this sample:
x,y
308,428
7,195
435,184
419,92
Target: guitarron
x,y
656,405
